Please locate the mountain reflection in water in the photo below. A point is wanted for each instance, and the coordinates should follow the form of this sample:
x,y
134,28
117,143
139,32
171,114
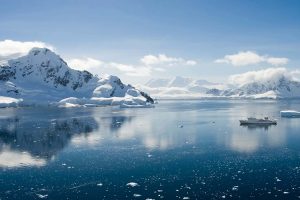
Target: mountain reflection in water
x,y
188,149
35,136
35,139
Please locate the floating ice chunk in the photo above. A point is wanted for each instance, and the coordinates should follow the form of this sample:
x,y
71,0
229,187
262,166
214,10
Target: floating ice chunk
x,y
137,195
277,179
289,113
186,197
132,184
235,188
69,105
100,184
41,196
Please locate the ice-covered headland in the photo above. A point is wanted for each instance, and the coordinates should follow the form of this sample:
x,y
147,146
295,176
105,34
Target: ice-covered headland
x,y
43,78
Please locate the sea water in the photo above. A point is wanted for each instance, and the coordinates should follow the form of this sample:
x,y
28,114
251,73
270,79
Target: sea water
x,y
178,150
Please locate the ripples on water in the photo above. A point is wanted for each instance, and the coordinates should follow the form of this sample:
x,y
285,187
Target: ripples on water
x,y
179,150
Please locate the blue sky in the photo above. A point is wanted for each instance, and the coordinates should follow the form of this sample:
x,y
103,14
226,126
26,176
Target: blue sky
x,y
120,33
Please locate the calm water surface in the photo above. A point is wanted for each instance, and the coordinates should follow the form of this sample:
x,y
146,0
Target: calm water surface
x,y
179,150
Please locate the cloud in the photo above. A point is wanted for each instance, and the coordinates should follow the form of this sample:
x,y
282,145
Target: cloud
x,y
266,75
84,63
159,69
277,61
12,49
244,58
93,65
191,62
131,70
163,59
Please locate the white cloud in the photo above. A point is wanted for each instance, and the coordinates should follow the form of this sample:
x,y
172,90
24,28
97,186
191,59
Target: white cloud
x,y
244,58
266,75
191,62
93,65
277,61
122,67
131,70
140,71
12,49
84,63
163,59
159,69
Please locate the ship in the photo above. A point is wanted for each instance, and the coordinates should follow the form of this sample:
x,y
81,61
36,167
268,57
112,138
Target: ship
x,y
255,121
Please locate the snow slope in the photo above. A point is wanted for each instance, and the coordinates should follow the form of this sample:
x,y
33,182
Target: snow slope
x,y
42,78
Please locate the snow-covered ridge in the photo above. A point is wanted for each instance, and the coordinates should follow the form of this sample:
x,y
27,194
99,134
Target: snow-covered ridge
x,y
273,83
281,88
42,78
268,83
180,88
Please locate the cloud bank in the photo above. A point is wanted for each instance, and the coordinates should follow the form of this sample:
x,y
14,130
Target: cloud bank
x,y
266,75
131,70
84,63
163,59
12,49
244,58
149,65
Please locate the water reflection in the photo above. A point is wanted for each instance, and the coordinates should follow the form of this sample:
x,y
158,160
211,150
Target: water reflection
x,y
31,143
257,126
33,137
250,138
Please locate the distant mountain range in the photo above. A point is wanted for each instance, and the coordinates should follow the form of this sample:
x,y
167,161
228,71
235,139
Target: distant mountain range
x,y
280,88
184,88
42,77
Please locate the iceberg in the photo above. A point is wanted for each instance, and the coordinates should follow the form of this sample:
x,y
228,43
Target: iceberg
x,y
147,105
289,113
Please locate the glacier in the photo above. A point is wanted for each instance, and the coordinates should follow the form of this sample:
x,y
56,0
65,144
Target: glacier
x,y
43,78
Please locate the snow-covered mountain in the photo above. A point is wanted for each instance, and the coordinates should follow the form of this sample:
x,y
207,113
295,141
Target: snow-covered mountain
x,y
273,87
282,87
177,81
42,77
179,88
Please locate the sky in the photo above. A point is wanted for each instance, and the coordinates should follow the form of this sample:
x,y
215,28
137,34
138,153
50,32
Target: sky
x,y
142,39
